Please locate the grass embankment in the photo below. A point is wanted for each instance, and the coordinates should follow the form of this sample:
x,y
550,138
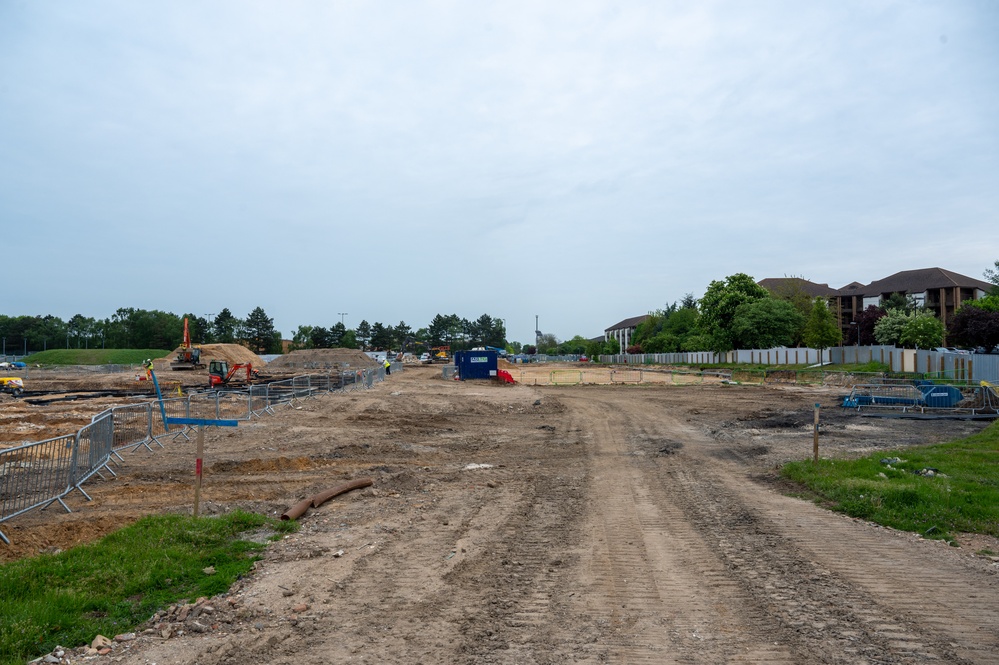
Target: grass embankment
x,y
962,495
94,356
115,584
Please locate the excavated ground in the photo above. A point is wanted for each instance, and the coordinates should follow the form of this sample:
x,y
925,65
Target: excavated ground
x,y
522,524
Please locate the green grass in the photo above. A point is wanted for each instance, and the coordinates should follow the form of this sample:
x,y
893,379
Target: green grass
x,y
115,584
965,498
94,356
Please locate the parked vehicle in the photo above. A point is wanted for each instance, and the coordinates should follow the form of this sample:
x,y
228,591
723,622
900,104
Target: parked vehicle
x,y
12,385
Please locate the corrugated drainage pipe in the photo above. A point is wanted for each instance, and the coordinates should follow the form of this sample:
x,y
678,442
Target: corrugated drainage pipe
x,y
299,508
322,498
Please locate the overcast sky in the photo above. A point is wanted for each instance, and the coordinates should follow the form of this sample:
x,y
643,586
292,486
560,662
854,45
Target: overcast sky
x,y
582,161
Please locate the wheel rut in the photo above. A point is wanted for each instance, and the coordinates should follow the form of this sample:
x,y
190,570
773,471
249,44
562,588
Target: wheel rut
x,y
702,565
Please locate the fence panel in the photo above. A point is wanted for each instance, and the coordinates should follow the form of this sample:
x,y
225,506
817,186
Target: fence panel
x,y
686,378
754,376
566,377
173,408
35,474
133,425
94,443
626,376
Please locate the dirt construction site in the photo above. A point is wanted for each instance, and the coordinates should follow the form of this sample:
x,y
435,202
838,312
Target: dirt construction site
x,y
539,524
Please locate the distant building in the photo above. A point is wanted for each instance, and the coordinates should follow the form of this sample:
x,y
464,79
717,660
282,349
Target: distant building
x,y
787,285
938,290
623,331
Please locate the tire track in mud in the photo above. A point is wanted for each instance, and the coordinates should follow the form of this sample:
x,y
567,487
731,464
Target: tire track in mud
x,y
943,605
837,589
660,593
731,578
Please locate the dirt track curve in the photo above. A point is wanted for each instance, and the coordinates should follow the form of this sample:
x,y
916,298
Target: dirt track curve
x,y
613,524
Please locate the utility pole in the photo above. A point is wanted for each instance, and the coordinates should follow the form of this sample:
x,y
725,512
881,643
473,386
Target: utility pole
x,y
537,336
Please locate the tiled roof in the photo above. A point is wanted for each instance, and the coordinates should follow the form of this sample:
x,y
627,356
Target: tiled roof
x,y
919,281
627,323
780,284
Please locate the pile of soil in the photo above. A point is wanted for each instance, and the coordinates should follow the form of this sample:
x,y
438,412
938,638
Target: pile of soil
x,y
323,359
231,353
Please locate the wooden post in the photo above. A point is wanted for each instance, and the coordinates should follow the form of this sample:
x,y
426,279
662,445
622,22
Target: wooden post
x,y
815,438
200,423
197,468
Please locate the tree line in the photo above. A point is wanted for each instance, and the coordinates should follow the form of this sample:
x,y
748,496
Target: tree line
x,y
452,331
734,313
738,313
132,328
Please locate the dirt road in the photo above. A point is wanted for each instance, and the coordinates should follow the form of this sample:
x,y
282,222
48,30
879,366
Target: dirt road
x,y
514,524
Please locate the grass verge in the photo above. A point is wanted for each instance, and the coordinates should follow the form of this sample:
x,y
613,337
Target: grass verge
x,y
961,495
115,584
94,356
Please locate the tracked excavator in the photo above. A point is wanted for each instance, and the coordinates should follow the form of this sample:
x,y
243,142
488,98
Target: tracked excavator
x,y
221,374
189,357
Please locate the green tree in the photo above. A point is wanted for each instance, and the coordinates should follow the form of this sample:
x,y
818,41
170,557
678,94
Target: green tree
x,y
719,304
792,289
349,340
862,330
821,330
575,346
381,337
974,325
322,338
612,347
901,302
337,333
766,323
696,342
225,327
923,331
400,334
888,329
258,332
993,276
362,334
302,339
437,331
548,344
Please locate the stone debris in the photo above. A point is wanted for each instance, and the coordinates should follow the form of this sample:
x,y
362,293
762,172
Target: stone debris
x,y
224,614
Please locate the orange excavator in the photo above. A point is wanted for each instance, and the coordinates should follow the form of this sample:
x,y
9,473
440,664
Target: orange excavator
x,y
220,374
189,357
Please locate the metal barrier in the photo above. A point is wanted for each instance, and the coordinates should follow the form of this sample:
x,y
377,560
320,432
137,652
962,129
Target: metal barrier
x,y
132,427
92,452
626,376
35,475
566,377
926,399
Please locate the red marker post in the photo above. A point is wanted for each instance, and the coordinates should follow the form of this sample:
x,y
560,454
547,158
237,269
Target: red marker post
x,y
201,423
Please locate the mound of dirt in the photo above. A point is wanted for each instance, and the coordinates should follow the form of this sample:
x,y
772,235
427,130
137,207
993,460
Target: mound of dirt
x,y
231,353
323,359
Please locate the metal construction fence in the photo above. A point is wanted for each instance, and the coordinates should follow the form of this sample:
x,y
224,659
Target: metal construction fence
x,y
967,367
36,475
924,398
540,375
